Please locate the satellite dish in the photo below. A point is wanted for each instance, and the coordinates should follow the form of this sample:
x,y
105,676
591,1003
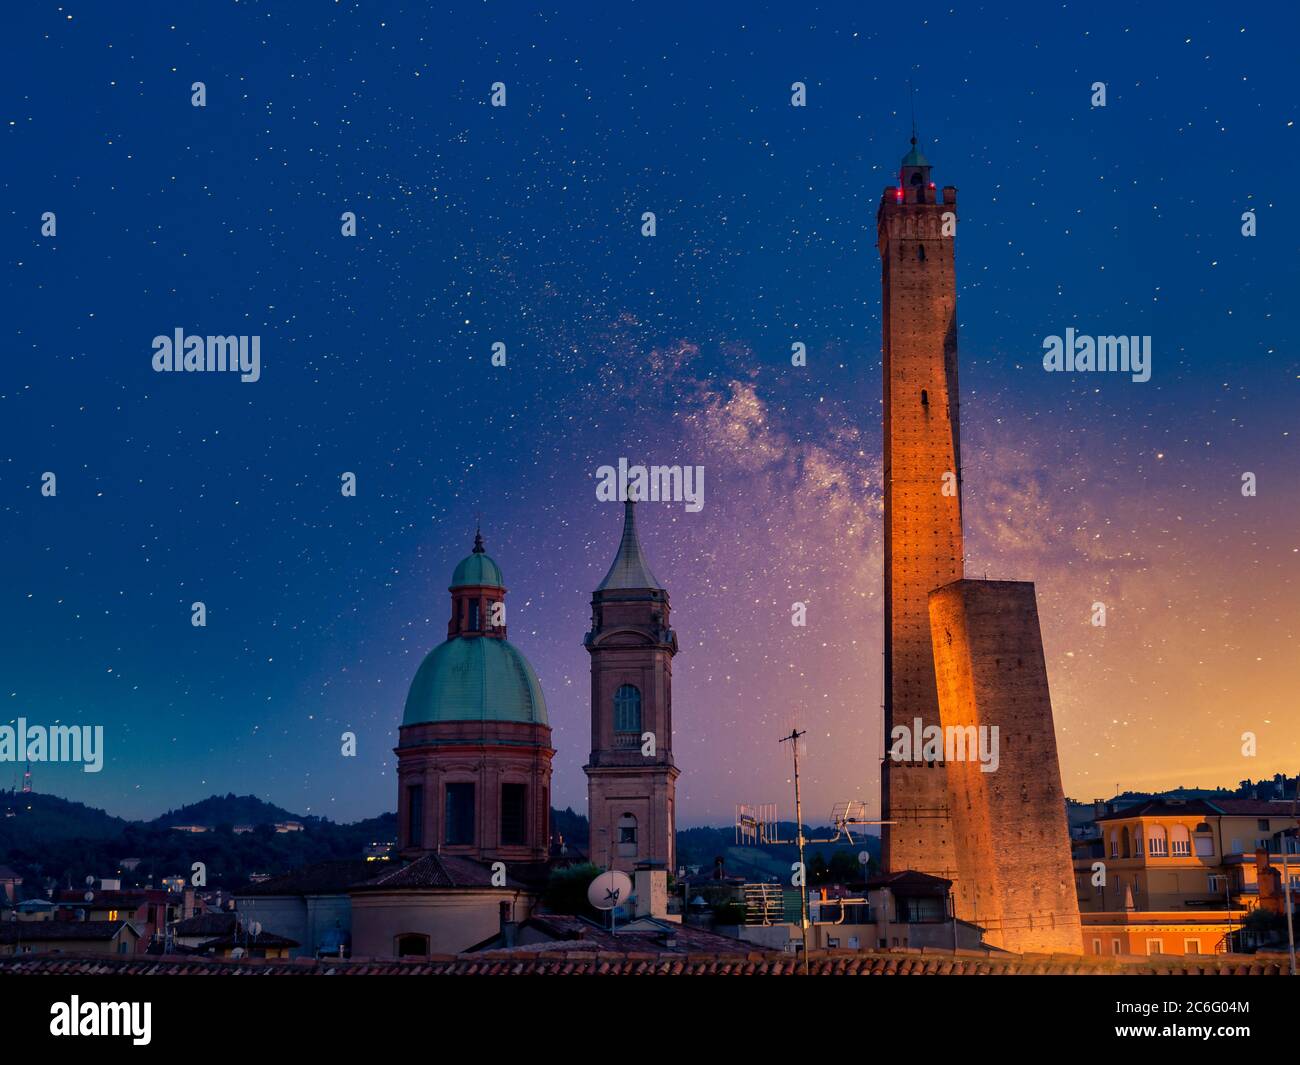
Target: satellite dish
x,y
89,896
255,928
90,881
863,857
609,890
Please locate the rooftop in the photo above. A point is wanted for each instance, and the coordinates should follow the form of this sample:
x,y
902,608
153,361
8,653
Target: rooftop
x,y
323,878
638,936
1201,808
436,871
565,959
56,931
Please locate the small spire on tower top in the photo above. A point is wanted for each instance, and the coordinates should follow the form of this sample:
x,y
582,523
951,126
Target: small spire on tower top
x,y
911,88
630,569
478,539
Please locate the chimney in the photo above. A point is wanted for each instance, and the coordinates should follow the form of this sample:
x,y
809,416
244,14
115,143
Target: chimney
x,y
650,885
509,927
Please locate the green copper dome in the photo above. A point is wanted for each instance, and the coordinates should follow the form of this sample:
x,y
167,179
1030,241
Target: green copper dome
x,y
475,678
477,568
914,157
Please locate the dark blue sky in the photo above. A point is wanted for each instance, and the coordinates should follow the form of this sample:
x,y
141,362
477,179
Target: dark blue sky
x,y
522,225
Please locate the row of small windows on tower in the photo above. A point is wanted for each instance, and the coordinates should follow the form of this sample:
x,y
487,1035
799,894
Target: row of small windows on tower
x,y
458,815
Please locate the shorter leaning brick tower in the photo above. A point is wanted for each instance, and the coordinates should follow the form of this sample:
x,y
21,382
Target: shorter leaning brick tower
x,y
1010,836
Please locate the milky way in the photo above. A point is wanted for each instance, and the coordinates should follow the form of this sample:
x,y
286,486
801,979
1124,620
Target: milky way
x,y
522,225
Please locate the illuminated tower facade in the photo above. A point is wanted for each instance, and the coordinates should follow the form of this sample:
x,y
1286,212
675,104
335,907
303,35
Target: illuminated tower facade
x,y
922,484
631,778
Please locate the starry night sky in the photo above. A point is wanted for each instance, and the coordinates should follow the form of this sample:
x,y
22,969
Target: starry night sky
x,y
522,225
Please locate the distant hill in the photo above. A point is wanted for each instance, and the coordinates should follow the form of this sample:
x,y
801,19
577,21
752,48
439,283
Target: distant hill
x,y
228,810
572,827
39,817
49,838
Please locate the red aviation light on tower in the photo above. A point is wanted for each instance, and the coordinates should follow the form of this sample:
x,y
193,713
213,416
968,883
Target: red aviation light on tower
x,y
898,194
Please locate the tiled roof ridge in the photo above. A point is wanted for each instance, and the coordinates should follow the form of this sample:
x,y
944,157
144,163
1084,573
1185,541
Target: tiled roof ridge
x,y
566,959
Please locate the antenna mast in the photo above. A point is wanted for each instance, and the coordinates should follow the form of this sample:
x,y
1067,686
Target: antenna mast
x,y
793,740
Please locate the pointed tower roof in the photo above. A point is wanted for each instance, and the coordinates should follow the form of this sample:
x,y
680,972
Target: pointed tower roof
x,y
630,569
914,157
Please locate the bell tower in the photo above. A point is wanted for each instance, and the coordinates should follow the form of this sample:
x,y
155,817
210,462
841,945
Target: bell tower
x,y
922,487
631,778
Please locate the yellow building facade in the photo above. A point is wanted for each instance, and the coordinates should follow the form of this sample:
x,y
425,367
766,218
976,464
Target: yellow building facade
x,y
1176,877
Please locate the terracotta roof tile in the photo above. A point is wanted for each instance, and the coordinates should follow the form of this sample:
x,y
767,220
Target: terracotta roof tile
x,y
206,924
598,962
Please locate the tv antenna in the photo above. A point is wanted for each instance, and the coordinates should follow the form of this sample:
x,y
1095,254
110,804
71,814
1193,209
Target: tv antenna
x,y
761,828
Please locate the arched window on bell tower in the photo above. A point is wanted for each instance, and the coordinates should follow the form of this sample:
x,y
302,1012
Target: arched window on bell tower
x,y
627,837
627,710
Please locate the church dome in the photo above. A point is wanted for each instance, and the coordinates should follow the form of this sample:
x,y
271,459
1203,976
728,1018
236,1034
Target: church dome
x,y
475,678
477,568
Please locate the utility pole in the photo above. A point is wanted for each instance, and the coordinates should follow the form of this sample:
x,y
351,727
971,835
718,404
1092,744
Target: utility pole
x,y
793,740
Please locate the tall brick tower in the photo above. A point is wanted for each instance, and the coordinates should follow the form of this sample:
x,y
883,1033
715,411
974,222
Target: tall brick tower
x,y
631,778
923,538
